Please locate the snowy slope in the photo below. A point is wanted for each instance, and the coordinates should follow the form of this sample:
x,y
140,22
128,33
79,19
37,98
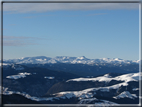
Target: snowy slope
x,y
88,95
126,94
82,101
105,103
107,78
83,96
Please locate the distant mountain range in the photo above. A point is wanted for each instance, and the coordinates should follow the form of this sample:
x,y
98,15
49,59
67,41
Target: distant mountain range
x,y
81,66
67,59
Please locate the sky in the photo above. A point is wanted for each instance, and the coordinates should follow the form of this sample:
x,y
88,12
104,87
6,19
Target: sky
x,y
93,30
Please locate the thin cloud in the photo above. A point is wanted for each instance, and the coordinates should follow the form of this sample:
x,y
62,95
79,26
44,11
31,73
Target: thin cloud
x,y
45,7
33,16
19,41
16,37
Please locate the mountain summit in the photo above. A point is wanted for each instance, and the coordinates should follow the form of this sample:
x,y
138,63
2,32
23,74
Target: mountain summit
x,y
82,57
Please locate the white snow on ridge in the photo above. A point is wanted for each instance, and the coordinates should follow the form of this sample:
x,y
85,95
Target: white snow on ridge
x,y
87,93
101,103
80,94
4,64
67,59
126,94
105,103
6,92
107,75
129,77
126,78
107,78
85,101
135,89
82,97
20,75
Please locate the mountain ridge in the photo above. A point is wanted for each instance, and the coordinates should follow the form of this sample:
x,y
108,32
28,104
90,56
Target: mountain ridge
x,y
67,59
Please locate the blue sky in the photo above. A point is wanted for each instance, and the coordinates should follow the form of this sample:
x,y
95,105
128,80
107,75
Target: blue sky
x,y
106,31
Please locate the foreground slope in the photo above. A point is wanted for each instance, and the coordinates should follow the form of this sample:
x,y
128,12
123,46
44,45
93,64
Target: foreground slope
x,y
126,92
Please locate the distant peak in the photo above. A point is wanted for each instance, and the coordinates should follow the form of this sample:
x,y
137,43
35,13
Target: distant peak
x,y
105,58
81,57
111,58
107,75
61,57
21,58
117,59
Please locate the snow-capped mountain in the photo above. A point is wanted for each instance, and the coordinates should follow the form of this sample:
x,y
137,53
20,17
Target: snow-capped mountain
x,y
67,59
81,66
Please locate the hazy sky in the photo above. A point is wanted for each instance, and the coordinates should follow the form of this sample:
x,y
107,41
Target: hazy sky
x,y
92,30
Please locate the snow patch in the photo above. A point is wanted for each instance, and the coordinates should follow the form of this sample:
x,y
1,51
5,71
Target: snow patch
x,y
20,75
49,77
4,64
135,89
107,75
